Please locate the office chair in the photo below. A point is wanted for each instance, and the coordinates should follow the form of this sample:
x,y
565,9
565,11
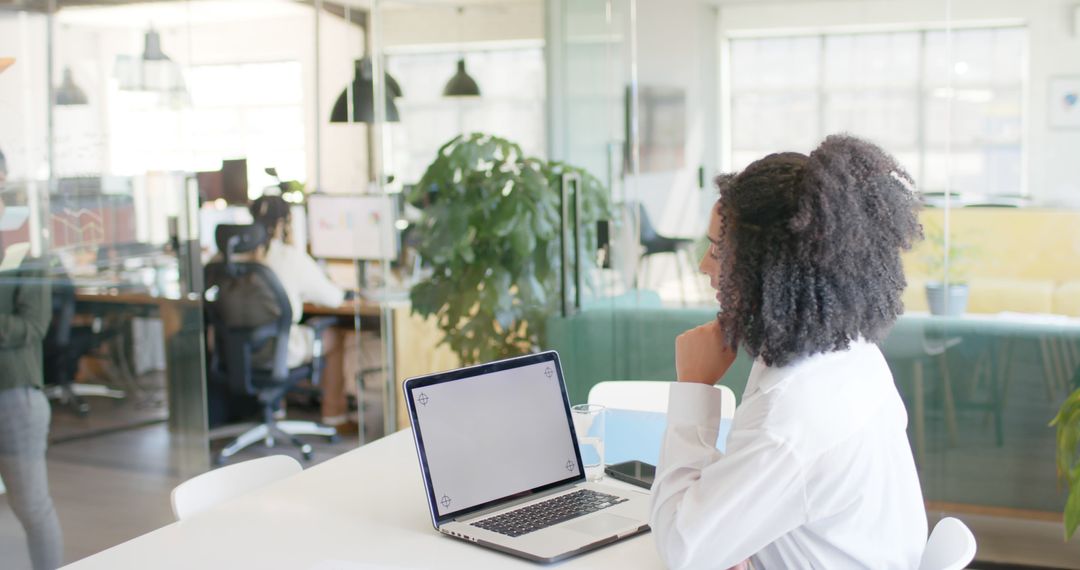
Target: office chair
x,y
250,339
65,343
226,483
648,396
654,243
951,546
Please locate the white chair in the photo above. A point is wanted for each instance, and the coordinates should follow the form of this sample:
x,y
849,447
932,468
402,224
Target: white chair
x,y
648,396
214,487
951,546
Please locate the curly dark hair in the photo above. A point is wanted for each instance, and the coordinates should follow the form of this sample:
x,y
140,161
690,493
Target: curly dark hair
x,y
269,211
810,248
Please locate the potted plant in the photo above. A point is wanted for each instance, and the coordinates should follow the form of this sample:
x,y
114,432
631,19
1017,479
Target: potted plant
x,y
1067,422
947,294
490,232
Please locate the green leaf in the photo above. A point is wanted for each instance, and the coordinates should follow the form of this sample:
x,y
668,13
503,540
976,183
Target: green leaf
x,y
1072,511
1067,422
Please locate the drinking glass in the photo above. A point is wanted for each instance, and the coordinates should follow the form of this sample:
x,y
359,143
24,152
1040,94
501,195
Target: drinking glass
x,y
589,425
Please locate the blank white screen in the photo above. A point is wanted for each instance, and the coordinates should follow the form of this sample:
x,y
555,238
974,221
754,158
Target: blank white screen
x,y
494,435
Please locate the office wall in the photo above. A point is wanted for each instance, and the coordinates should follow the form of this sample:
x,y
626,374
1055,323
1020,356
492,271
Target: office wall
x,y
676,48
90,39
22,86
1053,173
672,46
413,24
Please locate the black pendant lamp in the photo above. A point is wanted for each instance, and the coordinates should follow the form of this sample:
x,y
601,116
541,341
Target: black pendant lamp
x,y
152,71
69,93
461,85
363,95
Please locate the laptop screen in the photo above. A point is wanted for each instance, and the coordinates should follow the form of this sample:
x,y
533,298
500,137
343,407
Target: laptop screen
x,y
493,432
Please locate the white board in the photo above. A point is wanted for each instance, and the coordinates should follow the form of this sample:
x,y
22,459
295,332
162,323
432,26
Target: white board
x,y
352,227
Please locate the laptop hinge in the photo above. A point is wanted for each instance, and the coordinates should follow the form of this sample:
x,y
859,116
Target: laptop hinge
x,y
514,502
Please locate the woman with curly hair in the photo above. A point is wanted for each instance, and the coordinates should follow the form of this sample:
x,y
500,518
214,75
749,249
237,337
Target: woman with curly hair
x,y
818,471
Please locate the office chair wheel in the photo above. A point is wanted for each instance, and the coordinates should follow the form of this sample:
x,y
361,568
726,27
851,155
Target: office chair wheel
x,y
82,409
334,438
305,448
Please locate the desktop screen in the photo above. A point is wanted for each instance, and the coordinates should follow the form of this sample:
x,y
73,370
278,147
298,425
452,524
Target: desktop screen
x,y
495,435
352,226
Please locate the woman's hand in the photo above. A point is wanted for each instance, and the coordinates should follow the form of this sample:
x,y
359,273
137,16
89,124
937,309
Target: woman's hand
x,y
701,356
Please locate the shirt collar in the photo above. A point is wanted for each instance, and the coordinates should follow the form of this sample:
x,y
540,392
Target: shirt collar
x,y
764,378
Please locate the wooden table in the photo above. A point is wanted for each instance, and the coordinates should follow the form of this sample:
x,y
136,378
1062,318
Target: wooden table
x,y
182,324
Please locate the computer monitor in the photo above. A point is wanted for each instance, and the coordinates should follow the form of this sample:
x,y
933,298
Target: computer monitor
x,y
352,226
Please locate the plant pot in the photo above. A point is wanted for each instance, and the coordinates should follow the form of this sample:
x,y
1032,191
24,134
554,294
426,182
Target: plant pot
x,y
949,301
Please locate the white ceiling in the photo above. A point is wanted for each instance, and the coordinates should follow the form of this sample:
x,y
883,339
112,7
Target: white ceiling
x,y
175,14
170,14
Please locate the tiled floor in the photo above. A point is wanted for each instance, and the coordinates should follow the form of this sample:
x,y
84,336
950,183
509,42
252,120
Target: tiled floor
x,y
112,487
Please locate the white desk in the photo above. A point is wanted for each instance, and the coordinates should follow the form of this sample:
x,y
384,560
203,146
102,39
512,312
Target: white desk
x,y
362,510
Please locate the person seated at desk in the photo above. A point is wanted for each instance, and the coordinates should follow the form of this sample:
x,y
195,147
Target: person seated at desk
x,y
305,282
818,471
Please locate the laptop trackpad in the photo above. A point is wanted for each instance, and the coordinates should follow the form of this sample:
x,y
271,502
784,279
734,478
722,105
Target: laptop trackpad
x,y
602,525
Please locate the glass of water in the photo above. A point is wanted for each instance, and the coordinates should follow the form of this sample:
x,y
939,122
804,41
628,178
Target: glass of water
x,y
589,425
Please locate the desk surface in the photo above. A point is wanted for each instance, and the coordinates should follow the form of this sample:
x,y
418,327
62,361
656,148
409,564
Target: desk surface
x,y
346,309
362,510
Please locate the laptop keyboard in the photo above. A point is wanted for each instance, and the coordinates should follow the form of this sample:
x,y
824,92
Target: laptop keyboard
x,y
549,512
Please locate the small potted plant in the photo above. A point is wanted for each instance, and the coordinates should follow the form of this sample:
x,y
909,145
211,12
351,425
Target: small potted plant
x,y
1067,422
946,288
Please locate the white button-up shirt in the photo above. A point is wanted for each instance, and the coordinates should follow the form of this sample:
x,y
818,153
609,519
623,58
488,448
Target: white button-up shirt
x,y
304,282
818,472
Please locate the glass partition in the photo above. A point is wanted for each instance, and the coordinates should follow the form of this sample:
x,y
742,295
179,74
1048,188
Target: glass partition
x,y
974,101
998,310
464,153
100,234
475,181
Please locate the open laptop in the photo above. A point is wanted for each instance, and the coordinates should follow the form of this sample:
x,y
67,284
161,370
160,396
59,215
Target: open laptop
x,y
501,463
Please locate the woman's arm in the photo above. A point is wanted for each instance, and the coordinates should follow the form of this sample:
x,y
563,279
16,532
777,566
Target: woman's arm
x,y
315,286
29,320
713,510
701,355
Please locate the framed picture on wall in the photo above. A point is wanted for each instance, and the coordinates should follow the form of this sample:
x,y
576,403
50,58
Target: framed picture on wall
x,y
1065,102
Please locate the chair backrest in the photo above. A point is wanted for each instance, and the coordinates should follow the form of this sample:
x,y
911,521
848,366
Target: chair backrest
x,y
247,309
648,396
951,546
215,487
63,311
646,231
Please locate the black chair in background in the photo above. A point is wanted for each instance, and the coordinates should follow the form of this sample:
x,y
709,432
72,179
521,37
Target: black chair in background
x,y
249,318
65,343
653,244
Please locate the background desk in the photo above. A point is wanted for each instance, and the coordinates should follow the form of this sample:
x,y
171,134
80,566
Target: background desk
x,y
182,324
360,511
365,309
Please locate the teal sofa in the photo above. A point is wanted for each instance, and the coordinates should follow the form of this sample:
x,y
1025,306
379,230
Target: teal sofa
x,y
982,405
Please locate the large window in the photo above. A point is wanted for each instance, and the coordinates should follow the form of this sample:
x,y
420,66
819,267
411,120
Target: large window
x,y
894,88
240,110
511,102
